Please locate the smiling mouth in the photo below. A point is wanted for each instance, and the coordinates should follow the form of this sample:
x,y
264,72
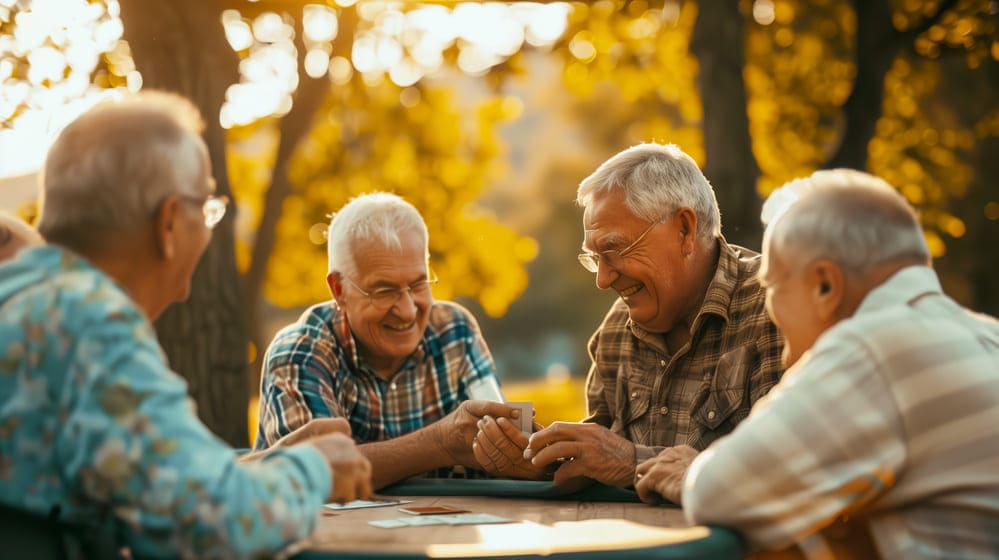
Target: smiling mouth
x,y
630,291
400,328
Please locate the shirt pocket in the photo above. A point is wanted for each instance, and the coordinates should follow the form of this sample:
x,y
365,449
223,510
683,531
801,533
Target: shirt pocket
x,y
633,408
728,387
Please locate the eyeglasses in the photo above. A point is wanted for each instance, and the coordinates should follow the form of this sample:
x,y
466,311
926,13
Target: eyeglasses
x,y
384,298
612,257
213,207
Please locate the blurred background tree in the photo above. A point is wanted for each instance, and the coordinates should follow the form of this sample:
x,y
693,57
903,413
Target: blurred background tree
x,y
486,116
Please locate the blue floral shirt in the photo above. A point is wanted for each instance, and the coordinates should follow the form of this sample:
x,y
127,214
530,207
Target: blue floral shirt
x,y
92,419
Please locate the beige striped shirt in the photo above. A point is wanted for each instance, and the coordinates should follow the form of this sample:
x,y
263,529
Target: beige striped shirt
x,y
892,418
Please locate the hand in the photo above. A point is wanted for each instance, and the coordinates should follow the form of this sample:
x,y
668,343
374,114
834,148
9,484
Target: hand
x,y
351,470
661,477
315,427
454,433
499,448
592,451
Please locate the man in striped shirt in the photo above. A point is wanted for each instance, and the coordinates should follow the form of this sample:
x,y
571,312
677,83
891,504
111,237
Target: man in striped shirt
x,y
889,416
383,354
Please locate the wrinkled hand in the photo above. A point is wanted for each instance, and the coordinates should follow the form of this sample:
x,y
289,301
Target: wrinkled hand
x,y
455,432
499,448
315,427
351,470
661,477
590,450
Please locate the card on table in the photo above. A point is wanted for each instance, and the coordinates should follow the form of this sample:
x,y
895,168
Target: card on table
x,y
374,502
526,419
431,510
454,519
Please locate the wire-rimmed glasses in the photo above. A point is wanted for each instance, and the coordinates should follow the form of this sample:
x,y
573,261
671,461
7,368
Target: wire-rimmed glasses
x,y
612,257
384,298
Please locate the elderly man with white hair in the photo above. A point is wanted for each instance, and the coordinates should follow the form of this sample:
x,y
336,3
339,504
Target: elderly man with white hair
x,y
889,414
685,350
399,366
93,423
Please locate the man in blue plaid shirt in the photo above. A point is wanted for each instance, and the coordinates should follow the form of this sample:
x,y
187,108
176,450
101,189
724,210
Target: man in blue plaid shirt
x,y
382,353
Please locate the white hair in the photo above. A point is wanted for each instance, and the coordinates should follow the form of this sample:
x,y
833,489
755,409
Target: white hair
x,y
852,218
110,168
380,217
657,180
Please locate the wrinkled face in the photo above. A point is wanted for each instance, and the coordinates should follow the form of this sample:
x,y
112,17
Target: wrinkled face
x,y
790,302
386,337
193,235
653,278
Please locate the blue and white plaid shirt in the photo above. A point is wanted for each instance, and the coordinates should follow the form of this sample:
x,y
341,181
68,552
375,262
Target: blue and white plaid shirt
x,y
312,370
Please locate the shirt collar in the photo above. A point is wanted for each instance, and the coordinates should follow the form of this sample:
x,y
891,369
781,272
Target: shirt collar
x,y
718,296
901,288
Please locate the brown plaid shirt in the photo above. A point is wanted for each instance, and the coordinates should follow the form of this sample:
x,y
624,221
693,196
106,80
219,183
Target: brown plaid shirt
x,y
656,400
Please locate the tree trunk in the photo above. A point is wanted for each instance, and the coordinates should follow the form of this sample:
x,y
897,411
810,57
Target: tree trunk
x,y
876,47
180,46
308,99
717,43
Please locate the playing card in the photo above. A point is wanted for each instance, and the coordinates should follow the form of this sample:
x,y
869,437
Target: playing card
x,y
485,389
358,504
388,523
526,419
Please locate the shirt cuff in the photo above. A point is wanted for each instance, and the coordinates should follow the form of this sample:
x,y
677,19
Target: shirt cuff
x,y
316,469
644,453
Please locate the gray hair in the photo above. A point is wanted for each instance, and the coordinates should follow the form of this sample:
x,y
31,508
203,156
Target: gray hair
x,y
853,218
657,180
110,168
380,217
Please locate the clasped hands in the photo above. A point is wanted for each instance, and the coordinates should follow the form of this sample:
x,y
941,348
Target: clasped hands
x,y
567,452
571,452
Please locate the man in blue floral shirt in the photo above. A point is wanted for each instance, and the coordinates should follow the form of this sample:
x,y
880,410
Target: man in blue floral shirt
x,y
92,420
399,366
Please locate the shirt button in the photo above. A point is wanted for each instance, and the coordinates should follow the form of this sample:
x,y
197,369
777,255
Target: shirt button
x,y
711,415
664,410
662,363
634,394
392,386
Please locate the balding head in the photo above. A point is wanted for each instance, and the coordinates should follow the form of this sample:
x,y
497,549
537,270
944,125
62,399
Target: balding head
x,y
110,168
832,238
15,235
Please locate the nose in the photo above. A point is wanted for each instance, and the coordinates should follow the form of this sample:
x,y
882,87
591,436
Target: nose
x,y
405,307
606,274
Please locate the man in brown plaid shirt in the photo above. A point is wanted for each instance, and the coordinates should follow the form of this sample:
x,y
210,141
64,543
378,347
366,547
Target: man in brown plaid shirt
x,y
684,352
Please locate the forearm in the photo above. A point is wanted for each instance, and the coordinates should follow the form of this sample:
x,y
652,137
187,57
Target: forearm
x,y
414,453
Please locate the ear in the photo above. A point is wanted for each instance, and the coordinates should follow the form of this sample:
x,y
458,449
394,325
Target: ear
x,y
828,285
687,224
166,226
335,284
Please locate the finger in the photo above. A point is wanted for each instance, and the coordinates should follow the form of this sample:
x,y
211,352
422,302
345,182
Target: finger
x,y
501,461
514,438
644,467
483,459
556,432
568,471
644,487
554,452
490,408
